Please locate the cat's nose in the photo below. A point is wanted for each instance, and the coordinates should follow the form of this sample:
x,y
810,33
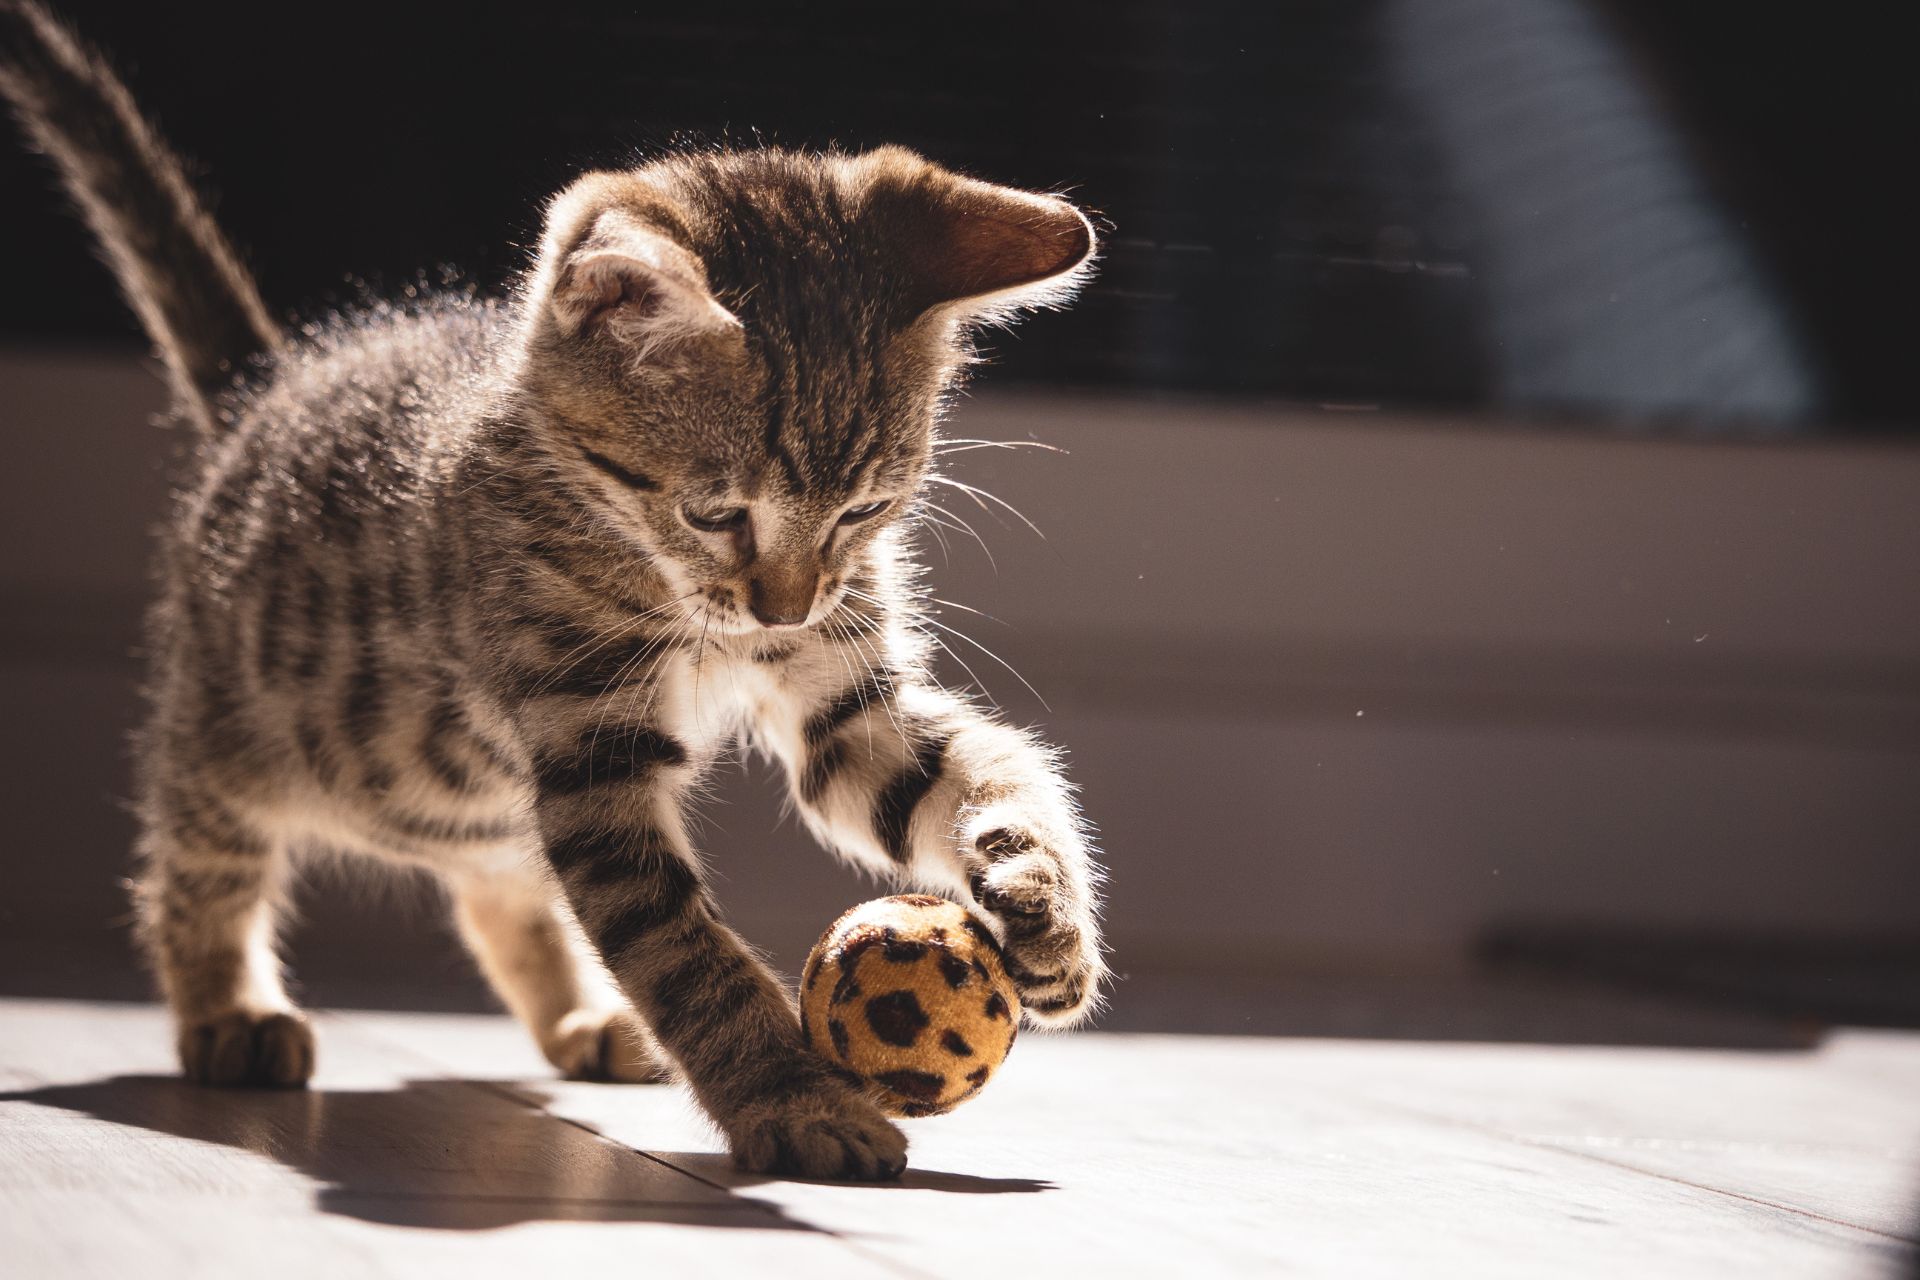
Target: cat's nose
x,y
782,600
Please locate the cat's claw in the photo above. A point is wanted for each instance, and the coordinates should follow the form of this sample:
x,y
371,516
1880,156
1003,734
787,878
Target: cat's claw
x,y
1051,956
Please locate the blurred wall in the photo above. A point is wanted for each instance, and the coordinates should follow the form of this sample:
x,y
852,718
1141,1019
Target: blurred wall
x,y
1341,690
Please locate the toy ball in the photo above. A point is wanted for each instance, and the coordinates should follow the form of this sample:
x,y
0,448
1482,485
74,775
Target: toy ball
x,y
911,994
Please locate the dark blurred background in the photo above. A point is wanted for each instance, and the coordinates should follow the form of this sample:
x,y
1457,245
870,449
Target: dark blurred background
x,y
1479,596
1628,209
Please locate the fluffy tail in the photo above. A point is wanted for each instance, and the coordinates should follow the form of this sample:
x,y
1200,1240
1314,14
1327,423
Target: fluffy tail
x,y
181,276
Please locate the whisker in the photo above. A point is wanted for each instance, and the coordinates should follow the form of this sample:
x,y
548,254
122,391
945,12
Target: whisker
x,y
651,678
963,525
873,660
954,631
585,651
841,653
978,613
934,527
602,705
876,667
970,491
960,445
972,675
977,494
700,659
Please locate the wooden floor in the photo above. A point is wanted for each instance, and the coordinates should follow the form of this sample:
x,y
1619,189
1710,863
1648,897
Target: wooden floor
x,y
437,1145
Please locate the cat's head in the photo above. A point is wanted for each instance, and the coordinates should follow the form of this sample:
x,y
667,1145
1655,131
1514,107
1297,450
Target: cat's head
x,y
743,355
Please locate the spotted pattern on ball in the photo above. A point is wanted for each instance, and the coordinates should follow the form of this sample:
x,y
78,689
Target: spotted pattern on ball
x,y
911,994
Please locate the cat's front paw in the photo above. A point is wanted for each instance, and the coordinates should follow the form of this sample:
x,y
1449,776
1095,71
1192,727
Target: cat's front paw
x,y
829,1131
1047,932
247,1049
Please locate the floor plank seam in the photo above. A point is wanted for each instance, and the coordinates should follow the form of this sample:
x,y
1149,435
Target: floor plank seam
x,y
1575,1153
1721,1146
1814,1214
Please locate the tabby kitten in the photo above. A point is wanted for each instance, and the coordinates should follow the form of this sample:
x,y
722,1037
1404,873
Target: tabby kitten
x,y
486,587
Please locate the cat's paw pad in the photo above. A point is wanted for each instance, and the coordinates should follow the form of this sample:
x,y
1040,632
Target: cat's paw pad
x,y
1051,955
832,1133
591,1044
248,1049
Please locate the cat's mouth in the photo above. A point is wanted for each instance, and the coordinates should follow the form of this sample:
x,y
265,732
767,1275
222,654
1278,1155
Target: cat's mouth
x,y
715,612
718,611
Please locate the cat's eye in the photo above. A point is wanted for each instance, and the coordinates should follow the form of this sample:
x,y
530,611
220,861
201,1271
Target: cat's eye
x,y
861,514
726,520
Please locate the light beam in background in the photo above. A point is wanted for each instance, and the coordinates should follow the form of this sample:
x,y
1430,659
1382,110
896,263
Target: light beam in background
x,y
1614,284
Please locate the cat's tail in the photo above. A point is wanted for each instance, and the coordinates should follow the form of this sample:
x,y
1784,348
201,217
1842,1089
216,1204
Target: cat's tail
x,y
183,279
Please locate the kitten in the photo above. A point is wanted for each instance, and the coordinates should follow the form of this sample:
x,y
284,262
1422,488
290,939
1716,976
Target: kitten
x,y
485,587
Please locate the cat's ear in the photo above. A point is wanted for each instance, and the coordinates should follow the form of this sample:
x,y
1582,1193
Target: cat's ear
x,y
976,248
628,281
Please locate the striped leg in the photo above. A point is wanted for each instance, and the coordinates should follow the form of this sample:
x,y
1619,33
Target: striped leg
x,y
208,896
907,777
607,802
539,965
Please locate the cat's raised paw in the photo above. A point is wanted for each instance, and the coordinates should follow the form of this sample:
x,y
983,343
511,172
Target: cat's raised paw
x,y
242,1049
611,1046
1051,956
835,1134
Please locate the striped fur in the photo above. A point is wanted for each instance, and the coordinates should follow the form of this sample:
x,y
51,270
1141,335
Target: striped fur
x,y
459,585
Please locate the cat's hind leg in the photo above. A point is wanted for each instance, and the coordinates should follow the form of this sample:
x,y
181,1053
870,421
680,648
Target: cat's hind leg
x,y
532,953
209,895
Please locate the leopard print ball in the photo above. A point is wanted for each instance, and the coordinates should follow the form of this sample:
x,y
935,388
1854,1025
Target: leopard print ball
x,y
911,994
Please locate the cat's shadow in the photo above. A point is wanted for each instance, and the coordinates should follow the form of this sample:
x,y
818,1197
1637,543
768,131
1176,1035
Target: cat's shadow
x,y
443,1154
